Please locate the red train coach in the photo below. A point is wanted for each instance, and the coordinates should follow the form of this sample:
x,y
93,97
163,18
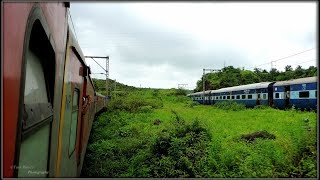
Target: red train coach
x,y
48,98
100,102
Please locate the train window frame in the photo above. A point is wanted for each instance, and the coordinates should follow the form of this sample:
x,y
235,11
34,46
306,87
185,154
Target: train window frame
x,y
249,96
243,96
228,97
224,97
238,97
277,95
37,45
304,94
264,96
232,97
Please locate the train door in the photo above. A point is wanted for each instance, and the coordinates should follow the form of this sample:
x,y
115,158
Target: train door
x,y
270,94
70,120
83,126
258,92
33,149
287,95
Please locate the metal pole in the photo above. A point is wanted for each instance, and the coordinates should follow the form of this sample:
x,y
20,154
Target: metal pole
x,y
203,79
203,84
106,70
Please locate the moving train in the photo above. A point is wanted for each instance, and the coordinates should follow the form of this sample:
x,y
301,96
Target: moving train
x,y
300,93
49,101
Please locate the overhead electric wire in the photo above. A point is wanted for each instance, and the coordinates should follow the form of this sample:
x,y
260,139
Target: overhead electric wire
x,y
74,29
303,62
282,58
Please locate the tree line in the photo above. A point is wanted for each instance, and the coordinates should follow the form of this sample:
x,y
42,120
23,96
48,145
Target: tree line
x,y
230,76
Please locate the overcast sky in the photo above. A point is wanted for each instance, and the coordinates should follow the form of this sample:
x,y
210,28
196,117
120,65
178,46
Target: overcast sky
x,y
161,45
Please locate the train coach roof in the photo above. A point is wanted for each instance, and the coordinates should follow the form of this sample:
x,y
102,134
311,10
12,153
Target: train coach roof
x,y
297,81
200,92
243,87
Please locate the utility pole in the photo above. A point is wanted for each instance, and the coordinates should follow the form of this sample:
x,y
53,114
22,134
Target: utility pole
x,y
115,88
203,80
182,85
106,70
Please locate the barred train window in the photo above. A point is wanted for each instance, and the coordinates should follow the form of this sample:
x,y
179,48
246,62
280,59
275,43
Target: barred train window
x,y
228,97
249,96
238,96
232,97
243,97
304,94
277,95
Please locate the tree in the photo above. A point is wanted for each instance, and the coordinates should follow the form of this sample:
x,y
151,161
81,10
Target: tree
x,y
299,72
288,68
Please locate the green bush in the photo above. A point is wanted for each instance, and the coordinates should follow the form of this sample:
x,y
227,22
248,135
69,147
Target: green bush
x,y
145,109
181,92
133,103
230,105
181,152
261,107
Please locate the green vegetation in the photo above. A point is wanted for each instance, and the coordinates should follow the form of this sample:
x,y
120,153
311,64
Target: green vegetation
x,y
159,133
230,76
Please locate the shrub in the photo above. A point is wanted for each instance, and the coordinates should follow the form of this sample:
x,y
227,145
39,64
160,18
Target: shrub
x,y
181,92
261,107
180,152
133,103
230,105
145,109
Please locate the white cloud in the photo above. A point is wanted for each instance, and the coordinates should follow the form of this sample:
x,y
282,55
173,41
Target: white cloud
x,y
164,44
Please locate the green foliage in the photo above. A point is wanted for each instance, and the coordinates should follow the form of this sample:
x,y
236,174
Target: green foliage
x,y
100,86
132,102
181,151
181,92
230,105
137,137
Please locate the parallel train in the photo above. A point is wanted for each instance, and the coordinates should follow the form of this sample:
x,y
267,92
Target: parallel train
x,y
49,101
300,93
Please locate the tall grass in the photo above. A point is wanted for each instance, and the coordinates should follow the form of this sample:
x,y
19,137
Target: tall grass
x,y
156,133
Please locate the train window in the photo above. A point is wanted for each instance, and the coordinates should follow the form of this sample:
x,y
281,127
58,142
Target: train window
x,y
224,97
250,96
232,97
74,121
258,96
304,94
37,112
264,96
228,97
243,97
277,95
238,96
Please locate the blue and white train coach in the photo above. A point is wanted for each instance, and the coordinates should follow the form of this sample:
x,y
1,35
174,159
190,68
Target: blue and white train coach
x,y
250,94
300,93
